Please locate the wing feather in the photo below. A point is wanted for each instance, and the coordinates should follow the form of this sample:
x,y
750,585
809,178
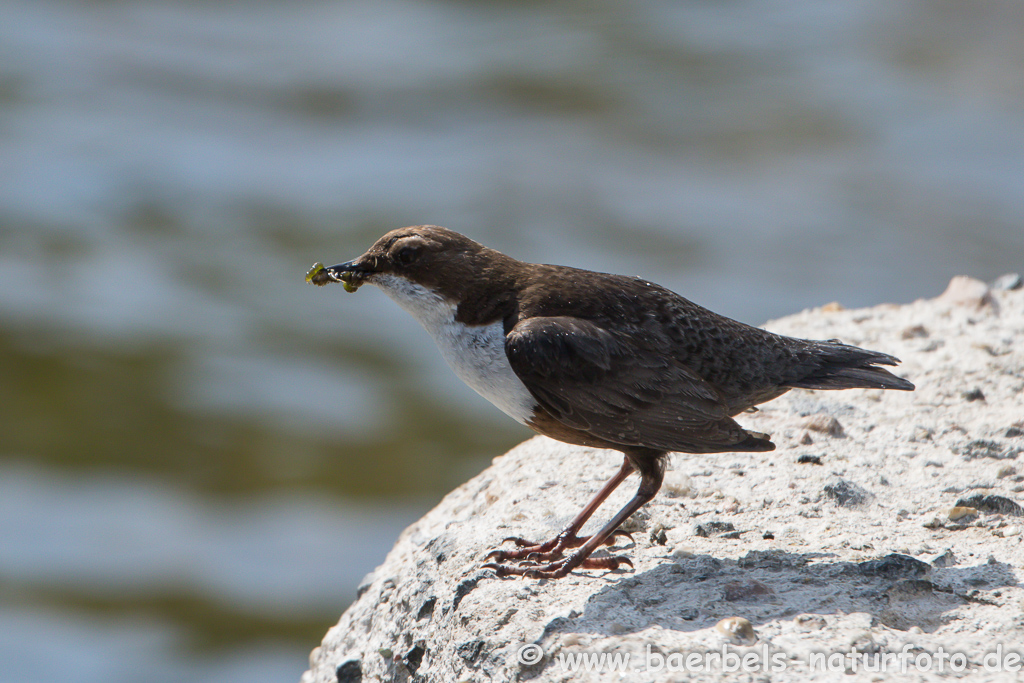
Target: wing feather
x,y
621,386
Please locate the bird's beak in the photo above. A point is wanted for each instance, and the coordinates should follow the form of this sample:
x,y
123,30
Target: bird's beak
x,y
350,274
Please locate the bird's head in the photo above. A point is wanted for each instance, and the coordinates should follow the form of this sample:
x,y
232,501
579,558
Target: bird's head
x,y
418,262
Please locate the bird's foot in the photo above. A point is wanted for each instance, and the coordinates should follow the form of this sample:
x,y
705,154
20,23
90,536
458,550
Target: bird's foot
x,y
545,552
558,568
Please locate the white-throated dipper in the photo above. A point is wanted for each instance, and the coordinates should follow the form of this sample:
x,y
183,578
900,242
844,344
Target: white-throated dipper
x,y
598,360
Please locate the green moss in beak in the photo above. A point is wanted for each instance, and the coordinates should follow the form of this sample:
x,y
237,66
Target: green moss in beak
x,y
318,275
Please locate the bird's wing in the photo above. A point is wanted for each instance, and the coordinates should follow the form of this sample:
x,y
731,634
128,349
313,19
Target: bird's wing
x,y
620,386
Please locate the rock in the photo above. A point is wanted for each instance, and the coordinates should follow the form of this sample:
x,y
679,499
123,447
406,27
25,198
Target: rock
x,y
992,503
414,657
737,629
826,424
961,513
840,572
914,332
846,494
946,559
349,671
810,622
974,395
894,566
745,590
909,589
773,559
713,528
1006,471
689,613
987,448
966,291
1009,281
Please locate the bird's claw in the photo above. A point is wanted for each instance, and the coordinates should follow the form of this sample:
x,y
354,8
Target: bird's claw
x,y
611,539
549,550
559,568
519,541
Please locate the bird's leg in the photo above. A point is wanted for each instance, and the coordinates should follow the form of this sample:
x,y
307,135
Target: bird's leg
x,y
567,538
652,472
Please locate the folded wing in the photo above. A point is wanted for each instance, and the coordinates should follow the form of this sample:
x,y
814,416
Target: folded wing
x,y
622,387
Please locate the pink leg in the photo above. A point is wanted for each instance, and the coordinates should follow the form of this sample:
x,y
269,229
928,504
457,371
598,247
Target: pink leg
x,y
567,538
652,471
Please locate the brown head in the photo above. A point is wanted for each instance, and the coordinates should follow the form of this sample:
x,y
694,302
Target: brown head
x,y
412,263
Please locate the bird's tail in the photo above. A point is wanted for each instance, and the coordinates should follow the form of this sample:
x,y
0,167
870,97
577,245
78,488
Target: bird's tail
x,y
840,366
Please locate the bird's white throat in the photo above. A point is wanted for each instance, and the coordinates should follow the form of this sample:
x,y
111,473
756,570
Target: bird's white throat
x,y
475,352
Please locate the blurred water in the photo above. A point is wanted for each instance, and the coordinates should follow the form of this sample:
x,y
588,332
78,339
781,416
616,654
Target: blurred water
x,y
200,454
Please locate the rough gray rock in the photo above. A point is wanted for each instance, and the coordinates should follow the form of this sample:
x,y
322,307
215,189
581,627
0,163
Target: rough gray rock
x,y
892,576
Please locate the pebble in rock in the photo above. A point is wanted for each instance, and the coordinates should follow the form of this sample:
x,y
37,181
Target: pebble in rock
x,y
825,424
713,528
809,622
1009,282
737,629
961,513
894,566
992,503
846,494
966,291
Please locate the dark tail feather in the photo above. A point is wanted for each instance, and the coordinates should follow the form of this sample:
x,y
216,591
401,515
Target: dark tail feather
x,y
849,367
756,442
856,378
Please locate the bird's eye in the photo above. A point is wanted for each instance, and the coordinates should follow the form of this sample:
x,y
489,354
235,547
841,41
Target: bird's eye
x,y
407,255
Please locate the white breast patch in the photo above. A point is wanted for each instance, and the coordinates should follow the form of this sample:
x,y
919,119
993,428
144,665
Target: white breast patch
x,y
475,352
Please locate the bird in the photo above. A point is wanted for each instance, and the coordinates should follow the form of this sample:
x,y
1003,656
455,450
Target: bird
x,y
597,360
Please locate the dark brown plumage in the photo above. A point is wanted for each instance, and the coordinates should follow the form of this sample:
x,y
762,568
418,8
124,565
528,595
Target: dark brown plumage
x,y
608,361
